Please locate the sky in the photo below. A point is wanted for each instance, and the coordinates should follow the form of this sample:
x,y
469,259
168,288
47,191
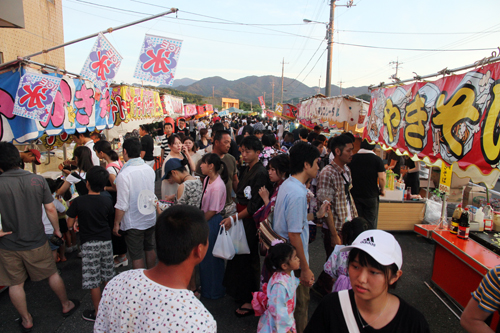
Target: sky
x,y
234,39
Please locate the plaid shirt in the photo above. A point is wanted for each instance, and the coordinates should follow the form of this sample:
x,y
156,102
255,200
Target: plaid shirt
x,y
331,187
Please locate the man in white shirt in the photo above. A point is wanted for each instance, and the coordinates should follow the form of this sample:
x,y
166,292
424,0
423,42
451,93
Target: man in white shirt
x,y
281,130
85,140
134,177
158,299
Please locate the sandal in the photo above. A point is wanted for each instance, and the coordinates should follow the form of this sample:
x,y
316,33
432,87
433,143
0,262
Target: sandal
x,y
248,312
70,312
24,329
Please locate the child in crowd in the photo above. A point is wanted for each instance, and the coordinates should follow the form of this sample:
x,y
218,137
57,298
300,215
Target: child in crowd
x,y
337,265
212,203
49,229
281,290
104,151
94,212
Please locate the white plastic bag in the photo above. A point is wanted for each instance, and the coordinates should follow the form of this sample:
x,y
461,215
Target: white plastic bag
x,y
223,247
239,237
432,211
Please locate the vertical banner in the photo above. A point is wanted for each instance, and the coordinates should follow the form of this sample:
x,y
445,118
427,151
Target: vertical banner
x,y
102,63
35,96
262,102
445,180
158,60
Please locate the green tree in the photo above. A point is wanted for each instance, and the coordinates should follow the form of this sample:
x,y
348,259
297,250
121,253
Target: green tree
x,y
365,97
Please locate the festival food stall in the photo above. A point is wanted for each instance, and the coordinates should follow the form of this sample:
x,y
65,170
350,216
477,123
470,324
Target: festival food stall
x,y
286,111
454,122
346,113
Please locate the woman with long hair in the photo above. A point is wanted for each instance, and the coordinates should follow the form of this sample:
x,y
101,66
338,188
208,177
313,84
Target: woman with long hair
x,y
212,203
83,158
103,150
192,149
177,150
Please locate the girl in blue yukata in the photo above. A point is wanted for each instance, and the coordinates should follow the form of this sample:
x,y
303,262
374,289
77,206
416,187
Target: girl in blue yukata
x,y
281,288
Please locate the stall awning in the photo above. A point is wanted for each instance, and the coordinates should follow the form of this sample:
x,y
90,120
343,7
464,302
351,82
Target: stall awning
x,y
78,106
332,112
454,119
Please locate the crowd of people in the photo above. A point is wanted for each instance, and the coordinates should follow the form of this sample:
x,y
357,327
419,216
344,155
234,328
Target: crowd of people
x,y
214,172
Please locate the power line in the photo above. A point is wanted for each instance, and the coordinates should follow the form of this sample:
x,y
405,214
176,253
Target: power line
x,y
412,33
305,65
410,49
321,56
292,34
184,35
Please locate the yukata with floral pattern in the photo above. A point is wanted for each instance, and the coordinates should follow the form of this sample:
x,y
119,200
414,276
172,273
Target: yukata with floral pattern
x,y
337,267
267,154
281,292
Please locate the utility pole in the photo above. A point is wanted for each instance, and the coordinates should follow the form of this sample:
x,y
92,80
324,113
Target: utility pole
x,y
272,101
329,38
397,63
329,34
251,107
319,85
340,86
282,77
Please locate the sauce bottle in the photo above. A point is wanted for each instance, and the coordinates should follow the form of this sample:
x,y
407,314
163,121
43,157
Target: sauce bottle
x,y
457,213
464,225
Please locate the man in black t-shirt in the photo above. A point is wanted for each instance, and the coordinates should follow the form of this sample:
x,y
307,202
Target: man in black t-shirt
x,y
366,169
182,127
147,145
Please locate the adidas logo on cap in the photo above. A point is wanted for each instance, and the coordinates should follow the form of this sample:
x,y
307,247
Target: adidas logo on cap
x,y
369,241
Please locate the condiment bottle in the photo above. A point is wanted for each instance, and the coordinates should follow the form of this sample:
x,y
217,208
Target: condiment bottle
x,y
464,225
488,218
457,213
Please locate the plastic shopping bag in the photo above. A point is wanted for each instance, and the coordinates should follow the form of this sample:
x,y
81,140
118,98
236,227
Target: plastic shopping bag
x,y
238,236
223,247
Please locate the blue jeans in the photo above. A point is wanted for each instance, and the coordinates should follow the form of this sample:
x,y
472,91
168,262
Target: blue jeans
x,y
212,268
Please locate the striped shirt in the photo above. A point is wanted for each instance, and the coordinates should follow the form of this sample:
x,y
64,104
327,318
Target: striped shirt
x,y
331,187
165,146
488,292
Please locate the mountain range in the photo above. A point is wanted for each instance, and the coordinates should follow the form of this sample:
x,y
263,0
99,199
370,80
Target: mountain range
x,y
249,88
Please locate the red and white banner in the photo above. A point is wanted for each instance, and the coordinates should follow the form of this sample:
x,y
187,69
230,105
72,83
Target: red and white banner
x,y
172,105
455,119
190,110
262,102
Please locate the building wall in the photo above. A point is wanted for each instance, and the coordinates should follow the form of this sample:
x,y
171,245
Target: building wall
x,y
230,102
44,29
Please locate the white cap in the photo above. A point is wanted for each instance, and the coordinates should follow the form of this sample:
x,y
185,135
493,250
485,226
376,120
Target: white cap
x,y
380,245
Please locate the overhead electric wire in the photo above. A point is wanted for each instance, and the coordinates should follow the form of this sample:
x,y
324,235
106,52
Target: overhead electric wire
x,y
411,49
292,34
321,56
305,65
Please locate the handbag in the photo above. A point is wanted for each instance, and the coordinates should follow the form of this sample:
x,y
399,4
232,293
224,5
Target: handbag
x,y
267,235
223,247
238,236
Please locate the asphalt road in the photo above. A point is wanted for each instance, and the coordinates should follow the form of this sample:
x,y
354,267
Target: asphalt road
x,y
45,308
